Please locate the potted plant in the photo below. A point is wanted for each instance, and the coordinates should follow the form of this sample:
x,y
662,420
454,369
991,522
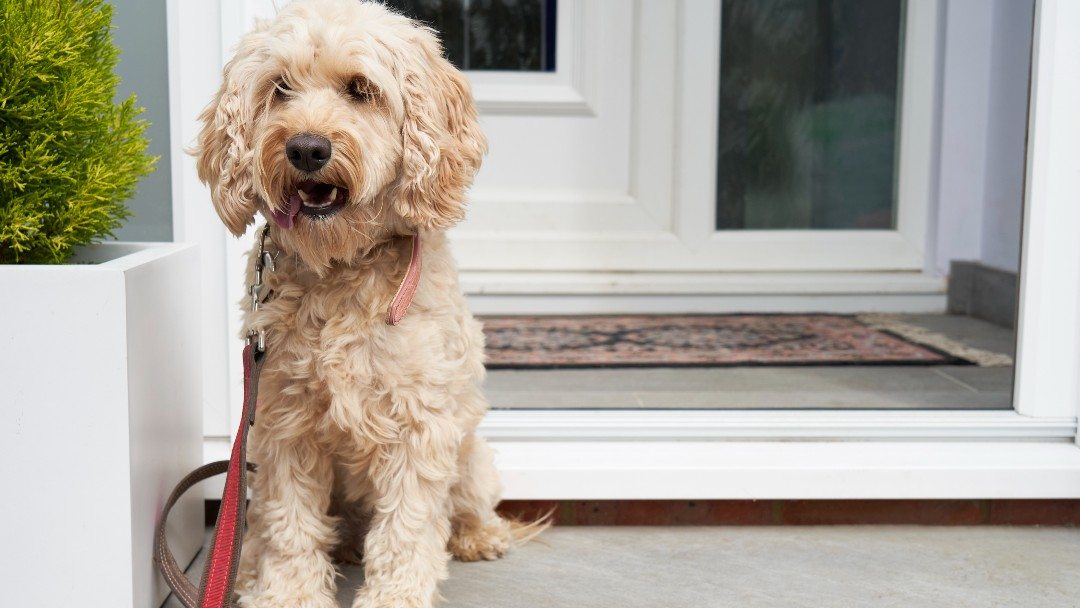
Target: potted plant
x,y
100,409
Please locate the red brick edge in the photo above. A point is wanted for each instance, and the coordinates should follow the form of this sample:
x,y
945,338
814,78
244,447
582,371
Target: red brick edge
x,y
799,512
1050,512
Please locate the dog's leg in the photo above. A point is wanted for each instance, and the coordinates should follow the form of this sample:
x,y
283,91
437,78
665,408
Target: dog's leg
x,y
478,532
405,550
290,516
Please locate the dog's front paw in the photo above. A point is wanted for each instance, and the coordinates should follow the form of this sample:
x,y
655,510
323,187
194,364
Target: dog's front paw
x,y
488,542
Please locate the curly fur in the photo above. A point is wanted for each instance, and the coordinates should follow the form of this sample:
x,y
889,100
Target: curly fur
x,y
365,433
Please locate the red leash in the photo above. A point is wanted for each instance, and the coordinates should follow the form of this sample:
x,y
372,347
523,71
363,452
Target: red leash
x,y
219,575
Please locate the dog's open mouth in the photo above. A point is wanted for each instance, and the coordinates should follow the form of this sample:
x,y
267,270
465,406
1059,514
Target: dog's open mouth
x,y
313,199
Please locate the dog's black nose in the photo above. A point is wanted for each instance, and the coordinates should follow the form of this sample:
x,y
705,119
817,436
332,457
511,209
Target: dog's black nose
x,y
308,152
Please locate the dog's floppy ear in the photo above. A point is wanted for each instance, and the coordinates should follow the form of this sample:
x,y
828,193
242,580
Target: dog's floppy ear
x,y
223,154
443,143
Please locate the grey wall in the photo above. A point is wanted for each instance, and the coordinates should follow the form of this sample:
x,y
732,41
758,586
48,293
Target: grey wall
x,y
964,119
987,55
139,29
1007,133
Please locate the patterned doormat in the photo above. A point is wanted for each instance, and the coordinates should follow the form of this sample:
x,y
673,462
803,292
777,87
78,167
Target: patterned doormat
x,y
698,341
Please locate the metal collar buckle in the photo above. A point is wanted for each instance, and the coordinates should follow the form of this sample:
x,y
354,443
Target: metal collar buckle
x,y
265,262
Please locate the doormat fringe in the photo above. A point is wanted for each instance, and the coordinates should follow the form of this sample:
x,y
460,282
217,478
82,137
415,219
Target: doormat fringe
x,y
921,335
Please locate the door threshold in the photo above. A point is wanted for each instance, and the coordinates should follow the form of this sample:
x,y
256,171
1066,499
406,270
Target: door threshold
x,y
491,292
739,470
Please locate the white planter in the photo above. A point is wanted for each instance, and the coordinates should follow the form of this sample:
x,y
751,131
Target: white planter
x,y
100,414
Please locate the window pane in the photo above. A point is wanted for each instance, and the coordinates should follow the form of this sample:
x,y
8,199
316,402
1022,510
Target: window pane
x,y
516,35
445,16
809,98
510,35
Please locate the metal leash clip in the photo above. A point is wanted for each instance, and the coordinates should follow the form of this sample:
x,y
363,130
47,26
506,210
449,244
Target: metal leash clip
x,y
265,262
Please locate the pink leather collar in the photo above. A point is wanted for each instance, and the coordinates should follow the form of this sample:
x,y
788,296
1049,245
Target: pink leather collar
x,y
403,298
407,289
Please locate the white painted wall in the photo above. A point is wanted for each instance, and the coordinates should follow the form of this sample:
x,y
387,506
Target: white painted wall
x,y
983,127
194,43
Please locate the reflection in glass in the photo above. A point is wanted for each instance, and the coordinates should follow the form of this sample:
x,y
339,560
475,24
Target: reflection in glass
x,y
809,100
514,35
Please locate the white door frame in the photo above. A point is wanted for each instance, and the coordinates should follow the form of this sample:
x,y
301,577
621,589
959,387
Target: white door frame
x,y
1048,362
1030,452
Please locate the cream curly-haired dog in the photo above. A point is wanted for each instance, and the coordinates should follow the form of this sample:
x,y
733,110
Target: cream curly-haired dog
x,y
341,122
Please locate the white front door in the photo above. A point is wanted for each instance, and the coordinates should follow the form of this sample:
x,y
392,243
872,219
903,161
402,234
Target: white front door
x,y
611,161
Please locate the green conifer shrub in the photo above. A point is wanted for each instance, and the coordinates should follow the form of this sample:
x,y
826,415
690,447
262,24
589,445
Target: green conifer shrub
x,y
69,155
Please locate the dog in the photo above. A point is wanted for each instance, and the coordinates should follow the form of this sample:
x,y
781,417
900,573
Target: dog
x,y
342,124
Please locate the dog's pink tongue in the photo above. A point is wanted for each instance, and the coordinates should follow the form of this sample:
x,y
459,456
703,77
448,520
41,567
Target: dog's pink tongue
x,y
285,218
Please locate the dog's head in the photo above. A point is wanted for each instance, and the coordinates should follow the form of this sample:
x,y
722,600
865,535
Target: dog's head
x,y
342,123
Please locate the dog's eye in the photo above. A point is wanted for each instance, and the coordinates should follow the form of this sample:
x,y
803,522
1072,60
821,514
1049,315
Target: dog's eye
x,y
362,90
281,89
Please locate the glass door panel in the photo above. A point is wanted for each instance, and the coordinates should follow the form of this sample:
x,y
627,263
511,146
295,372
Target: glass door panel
x,y
505,35
808,118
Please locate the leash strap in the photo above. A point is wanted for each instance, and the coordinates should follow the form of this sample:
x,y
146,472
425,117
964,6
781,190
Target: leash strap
x,y
219,574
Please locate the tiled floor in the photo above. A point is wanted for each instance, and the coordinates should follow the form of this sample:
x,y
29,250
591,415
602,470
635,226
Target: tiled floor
x,y
872,387
749,567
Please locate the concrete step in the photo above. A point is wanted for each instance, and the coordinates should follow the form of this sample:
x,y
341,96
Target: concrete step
x,y
841,566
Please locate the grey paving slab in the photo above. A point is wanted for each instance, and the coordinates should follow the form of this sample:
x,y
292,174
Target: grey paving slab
x,y
819,567
913,399
743,379
813,567
982,379
764,387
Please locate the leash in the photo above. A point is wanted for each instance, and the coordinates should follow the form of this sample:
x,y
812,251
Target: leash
x,y
219,573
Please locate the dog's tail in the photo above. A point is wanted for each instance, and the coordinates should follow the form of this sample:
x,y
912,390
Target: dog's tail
x,y
522,532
